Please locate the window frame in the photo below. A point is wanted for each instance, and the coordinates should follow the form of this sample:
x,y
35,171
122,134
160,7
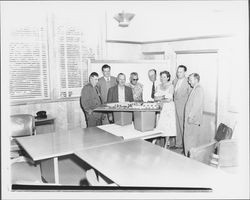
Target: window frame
x,y
53,68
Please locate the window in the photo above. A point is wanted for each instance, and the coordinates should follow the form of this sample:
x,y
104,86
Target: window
x,y
43,43
72,56
28,61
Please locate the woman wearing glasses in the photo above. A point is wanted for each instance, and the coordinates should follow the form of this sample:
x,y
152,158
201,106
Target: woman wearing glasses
x,y
137,87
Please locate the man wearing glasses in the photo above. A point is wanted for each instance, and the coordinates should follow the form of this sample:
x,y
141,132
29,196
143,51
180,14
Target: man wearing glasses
x,y
136,87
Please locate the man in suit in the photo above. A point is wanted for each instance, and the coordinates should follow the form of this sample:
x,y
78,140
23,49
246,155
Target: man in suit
x,y
120,92
181,92
137,88
104,83
91,99
149,88
193,114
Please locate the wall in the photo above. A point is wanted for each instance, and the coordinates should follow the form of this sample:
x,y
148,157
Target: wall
x,y
68,113
123,51
232,62
144,27
232,70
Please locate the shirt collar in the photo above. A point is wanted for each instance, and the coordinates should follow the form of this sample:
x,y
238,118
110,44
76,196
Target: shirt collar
x,y
106,79
120,86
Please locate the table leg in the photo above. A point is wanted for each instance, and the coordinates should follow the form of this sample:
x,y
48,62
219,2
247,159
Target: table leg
x,y
56,170
50,170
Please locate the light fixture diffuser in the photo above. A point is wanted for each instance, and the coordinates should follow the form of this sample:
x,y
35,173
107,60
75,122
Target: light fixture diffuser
x,y
124,18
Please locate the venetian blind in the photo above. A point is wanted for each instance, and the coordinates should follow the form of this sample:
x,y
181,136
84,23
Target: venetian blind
x,y
28,62
73,58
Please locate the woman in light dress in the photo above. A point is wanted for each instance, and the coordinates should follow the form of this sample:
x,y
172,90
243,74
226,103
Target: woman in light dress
x,y
167,119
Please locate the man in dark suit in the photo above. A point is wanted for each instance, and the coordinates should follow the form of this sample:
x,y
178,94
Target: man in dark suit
x,y
90,99
120,92
181,92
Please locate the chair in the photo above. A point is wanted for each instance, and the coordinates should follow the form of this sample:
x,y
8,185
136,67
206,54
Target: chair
x,y
227,151
21,125
80,101
220,153
203,153
24,172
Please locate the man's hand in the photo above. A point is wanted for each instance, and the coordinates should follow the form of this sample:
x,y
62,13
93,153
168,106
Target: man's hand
x,y
167,100
158,98
110,117
190,120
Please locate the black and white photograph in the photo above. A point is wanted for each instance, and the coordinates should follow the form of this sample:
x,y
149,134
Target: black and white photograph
x,y
125,99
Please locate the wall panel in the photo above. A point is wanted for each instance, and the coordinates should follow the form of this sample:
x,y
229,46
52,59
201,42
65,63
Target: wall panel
x,y
68,113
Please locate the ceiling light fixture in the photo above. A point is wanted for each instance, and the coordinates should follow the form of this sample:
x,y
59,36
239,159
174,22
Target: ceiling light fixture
x,y
124,18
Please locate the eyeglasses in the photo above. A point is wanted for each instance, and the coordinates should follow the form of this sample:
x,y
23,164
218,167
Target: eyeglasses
x,y
135,79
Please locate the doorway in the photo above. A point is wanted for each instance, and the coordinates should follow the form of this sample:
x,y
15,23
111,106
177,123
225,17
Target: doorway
x,y
205,63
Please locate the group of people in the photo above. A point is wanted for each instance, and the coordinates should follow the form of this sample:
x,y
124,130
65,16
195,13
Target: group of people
x,y
182,102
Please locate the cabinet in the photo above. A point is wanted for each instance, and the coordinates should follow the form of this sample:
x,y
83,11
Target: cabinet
x,y
45,125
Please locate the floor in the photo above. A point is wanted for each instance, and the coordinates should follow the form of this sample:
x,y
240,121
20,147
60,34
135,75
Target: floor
x,y
180,151
72,171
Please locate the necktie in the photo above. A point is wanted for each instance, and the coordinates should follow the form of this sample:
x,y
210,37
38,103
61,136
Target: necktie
x,y
153,91
98,93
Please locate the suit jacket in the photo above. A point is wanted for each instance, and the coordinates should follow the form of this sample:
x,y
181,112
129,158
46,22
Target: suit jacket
x,y
90,98
104,86
181,94
113,94
180,99
195,105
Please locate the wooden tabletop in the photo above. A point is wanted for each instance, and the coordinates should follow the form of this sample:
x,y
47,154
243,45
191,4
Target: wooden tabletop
x,y
49,117
140,163
57,144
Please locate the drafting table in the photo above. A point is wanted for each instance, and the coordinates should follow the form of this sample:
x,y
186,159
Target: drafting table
x,y
52,145
140,163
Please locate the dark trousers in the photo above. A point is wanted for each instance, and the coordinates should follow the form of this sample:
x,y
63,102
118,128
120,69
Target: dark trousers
x,y
95,119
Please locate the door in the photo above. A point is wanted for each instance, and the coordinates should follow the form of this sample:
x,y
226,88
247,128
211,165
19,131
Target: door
x,y
206,65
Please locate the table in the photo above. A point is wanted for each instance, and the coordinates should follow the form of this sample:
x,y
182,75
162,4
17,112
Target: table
x,y
140,163
46,125
128,132
104,108
126,162
52,145
144,118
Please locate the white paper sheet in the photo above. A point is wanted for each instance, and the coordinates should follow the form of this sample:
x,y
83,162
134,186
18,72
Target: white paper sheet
x,y
129,132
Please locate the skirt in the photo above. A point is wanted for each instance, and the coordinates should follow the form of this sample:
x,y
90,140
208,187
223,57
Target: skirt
x,y
167,120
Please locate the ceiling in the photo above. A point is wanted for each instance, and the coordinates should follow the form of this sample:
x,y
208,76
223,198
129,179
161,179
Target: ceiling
x,y
154,20
168,20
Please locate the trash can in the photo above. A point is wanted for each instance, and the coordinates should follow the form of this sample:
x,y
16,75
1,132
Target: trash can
x,y
144,121
122,118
